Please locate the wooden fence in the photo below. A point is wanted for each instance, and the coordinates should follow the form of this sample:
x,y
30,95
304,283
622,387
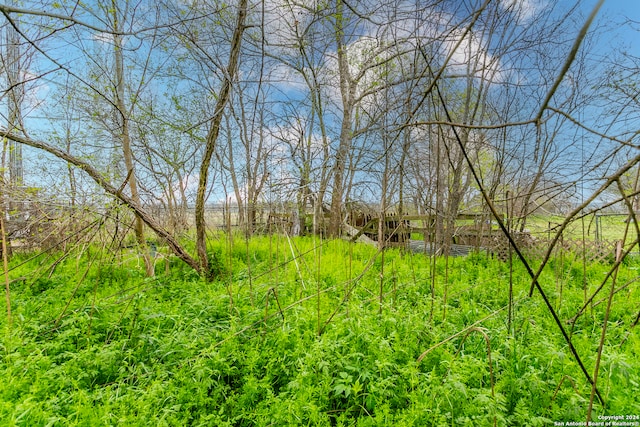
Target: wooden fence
x,y
481,235
536,247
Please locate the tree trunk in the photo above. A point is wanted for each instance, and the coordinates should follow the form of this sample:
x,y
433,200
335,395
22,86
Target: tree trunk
x,y
212,136
125,137
347,88
163,234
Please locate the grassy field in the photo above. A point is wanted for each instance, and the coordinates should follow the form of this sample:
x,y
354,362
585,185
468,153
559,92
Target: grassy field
x,y
608,228
311,332
591,227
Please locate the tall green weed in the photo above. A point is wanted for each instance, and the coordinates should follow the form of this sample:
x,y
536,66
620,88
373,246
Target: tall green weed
x,y
308,332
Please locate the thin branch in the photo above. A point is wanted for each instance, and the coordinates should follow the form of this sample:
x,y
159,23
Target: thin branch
x,y
163,234
7,10
570,58
506,232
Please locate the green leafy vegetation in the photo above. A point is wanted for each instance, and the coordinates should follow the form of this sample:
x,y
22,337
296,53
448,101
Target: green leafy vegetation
x,y
310,332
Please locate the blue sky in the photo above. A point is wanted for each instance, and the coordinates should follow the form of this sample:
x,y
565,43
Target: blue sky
x,y
619,11
614,13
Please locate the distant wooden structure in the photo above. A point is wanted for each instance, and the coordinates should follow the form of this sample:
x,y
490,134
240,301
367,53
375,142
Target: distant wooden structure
x,y
395,230
472,231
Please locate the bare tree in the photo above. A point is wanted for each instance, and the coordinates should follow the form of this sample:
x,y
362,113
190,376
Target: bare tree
x,y
117,14
212,135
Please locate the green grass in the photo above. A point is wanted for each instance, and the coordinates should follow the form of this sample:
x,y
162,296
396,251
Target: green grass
x,y
104,345
605,227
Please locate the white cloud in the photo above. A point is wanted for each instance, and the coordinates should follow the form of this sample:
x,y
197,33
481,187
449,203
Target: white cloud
x,y
36,92
523,10
189,185
285,20
470,57
286,78
103,38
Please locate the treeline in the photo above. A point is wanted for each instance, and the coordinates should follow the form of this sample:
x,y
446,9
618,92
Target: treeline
x,y
447,106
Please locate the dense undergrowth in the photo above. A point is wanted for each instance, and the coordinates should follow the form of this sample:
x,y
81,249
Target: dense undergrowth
x,y
330,338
